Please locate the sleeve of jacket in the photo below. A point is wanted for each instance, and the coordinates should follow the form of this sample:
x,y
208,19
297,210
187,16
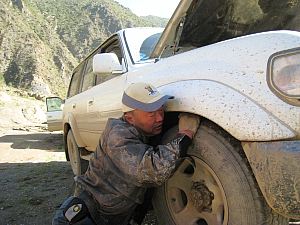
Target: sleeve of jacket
x,y
141,163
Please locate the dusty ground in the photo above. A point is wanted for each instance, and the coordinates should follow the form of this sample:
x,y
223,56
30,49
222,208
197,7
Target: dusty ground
x,y
35,178
34,175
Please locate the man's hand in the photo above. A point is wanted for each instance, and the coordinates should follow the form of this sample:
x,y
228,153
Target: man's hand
x,y
188,124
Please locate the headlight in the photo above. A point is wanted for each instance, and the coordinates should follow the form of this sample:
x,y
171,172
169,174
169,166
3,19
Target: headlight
x,y
284,74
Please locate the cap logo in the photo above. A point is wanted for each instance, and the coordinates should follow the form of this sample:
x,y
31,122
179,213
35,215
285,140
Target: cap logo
x,y
150,90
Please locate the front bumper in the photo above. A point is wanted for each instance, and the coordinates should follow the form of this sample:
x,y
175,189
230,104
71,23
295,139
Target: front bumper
x,y
276,166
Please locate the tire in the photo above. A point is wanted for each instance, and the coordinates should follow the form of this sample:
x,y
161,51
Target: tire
x,y
78,165
219,172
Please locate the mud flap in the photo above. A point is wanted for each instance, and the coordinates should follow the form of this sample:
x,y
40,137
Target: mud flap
x,y
276,166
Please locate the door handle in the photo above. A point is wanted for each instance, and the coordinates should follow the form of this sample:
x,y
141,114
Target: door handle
x,y
91,102
73,105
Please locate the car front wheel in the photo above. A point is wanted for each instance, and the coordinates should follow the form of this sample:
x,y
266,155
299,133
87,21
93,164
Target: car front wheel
x,y
78,164
214,186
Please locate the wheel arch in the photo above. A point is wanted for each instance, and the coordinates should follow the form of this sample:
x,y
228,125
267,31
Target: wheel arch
x,y
71,124
232,110
171,119
66,129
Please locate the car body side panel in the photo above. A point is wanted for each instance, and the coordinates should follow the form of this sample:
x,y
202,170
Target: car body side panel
x,y
92,109
103,101
238,116
74,114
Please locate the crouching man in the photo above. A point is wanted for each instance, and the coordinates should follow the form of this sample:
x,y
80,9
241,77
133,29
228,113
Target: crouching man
x,y
126,163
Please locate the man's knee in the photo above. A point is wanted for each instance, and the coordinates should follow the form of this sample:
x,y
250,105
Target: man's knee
x,y
72,211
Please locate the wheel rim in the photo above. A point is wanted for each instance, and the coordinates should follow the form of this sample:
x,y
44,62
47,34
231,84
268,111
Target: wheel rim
x,y
195,195
74,157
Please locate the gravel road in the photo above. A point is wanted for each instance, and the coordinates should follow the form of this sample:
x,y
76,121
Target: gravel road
x,y
35,177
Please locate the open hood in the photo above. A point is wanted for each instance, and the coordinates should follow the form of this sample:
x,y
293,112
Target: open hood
x,y
197,23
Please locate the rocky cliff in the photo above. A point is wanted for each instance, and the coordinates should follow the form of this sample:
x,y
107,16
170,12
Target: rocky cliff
x,y
42,41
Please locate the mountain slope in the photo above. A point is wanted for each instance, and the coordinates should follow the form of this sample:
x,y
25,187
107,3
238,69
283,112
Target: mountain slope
x,y
32,55
84,24
42,41
156,21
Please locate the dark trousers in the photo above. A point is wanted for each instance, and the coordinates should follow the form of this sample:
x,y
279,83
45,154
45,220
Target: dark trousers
x,y
90,213
60,219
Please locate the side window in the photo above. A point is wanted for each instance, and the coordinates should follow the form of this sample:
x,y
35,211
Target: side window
x,y
89,76
75,81
114,47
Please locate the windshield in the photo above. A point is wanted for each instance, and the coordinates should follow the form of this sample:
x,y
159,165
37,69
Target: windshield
x,y
141,42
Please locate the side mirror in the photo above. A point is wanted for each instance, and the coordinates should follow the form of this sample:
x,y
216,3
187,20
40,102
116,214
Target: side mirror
x,y
106,63
54,104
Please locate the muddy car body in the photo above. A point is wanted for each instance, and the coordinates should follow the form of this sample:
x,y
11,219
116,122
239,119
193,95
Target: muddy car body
x,y
240,71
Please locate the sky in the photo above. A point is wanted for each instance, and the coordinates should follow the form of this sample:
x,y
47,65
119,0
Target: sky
x,y
161,8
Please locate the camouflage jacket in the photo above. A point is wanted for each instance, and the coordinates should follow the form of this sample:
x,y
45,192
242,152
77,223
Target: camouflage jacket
x,y
124,165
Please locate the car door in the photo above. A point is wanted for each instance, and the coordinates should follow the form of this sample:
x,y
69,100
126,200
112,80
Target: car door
x,y
54,113
100,96
72,101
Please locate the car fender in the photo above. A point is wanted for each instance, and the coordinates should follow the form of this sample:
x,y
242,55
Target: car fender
x,y
239,115
73,126
239,64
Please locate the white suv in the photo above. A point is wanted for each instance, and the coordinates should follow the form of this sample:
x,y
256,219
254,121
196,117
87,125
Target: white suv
x,y
243,82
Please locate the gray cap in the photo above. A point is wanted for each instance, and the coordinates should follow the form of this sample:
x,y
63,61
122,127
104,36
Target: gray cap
x,y
143,96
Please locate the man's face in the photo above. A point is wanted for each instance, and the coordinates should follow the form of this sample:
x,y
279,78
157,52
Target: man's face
x,y
149,122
